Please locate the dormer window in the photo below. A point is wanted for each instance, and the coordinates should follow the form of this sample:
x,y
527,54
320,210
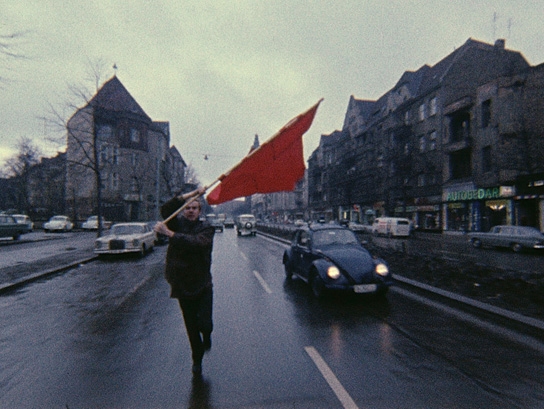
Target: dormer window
x,y
134,135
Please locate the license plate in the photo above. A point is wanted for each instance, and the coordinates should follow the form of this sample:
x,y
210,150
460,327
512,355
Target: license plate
x,y
365,288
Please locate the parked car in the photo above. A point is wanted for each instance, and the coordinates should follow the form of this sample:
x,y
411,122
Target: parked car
x,y
10,228
246,224
24,219
126,238
331,258
516,238
229,223
58,223
92,223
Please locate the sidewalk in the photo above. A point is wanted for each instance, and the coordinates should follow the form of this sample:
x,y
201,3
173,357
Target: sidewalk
x,y
14,276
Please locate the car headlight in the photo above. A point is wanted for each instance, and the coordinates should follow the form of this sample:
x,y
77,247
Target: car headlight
x,y
381,269
333,272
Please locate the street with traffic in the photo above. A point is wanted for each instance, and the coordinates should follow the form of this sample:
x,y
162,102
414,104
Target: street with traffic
x,y
103,333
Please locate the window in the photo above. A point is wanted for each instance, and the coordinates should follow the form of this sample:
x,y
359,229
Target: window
x,y
486,113
103,132
115,158
421,180
487,163
134,159
433,108
421,112
460,164
134,184
407,118
422,143
115,181
432,141
134,135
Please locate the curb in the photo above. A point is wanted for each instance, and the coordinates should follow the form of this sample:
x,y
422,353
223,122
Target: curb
x,y
6,287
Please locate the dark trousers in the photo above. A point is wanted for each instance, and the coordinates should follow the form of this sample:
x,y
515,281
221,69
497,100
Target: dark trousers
x,y
197,314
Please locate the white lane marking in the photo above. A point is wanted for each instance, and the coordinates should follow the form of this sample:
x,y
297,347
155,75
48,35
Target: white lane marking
x,y
331,379
263,283
243,256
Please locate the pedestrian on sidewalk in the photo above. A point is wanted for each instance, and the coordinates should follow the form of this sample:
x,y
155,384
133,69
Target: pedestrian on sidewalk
x,y
188,269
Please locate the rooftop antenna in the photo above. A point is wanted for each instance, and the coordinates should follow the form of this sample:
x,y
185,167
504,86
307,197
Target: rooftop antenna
x,y
495,19
115,69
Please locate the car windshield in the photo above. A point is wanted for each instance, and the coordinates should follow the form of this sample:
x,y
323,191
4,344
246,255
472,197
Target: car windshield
x,y
334,237
124,230
58,218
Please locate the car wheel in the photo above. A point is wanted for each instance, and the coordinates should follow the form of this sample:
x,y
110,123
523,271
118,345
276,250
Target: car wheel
x,y
382,292
143,250
516,247
16,237
288,270
476,243
318,287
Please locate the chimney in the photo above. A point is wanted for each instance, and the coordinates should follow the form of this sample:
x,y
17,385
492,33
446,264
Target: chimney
x,y
500,43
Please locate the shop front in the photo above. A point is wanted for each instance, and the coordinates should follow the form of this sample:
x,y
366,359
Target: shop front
x,y
469,208
529,201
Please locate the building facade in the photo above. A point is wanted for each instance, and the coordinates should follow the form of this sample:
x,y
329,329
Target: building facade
x,y
111,141
454,147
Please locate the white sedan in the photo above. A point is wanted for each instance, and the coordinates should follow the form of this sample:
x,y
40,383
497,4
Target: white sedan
x,y
58,223
127,238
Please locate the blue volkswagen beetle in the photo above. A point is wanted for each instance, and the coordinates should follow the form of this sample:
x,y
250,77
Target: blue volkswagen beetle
x,y
330,257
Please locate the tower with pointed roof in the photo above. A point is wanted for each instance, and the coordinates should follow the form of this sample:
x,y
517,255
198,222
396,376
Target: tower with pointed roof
x,y
119,157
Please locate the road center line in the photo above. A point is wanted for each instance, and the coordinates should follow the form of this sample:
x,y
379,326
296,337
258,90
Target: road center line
x,y
263,283
331,379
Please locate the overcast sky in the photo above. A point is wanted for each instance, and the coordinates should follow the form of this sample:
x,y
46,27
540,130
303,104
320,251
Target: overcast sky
x,y
221,71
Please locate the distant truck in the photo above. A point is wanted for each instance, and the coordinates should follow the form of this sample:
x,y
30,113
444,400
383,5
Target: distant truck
x,y
10,228
392,226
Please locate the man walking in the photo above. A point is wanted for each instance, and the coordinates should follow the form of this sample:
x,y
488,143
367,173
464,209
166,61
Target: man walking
x,y
188,264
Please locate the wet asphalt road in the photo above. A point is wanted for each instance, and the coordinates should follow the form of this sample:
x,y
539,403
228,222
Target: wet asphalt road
x,y
106,335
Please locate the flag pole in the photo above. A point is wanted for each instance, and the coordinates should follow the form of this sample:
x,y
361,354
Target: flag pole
x,y
220,178
192,199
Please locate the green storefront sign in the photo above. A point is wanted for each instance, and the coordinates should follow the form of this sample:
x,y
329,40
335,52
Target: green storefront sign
x,y
475,194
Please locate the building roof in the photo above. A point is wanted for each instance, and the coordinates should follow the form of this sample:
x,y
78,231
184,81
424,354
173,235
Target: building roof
x,y
113,96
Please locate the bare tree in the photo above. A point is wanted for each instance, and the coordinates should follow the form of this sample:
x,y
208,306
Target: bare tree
x,y
19,168
10,50
86,143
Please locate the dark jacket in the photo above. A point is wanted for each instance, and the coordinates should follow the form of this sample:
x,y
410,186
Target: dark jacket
x,y
189,255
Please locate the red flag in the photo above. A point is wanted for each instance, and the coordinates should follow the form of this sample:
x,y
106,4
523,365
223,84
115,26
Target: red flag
x,y
275,166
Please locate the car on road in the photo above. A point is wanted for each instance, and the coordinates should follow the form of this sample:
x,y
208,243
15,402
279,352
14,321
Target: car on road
x,y
331,258
215,221
516,238
58,223
133,237
10,228
229,223
246,224
92,223
24,219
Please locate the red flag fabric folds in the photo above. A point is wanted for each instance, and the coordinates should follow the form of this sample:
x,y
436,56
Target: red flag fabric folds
x,y
275,166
